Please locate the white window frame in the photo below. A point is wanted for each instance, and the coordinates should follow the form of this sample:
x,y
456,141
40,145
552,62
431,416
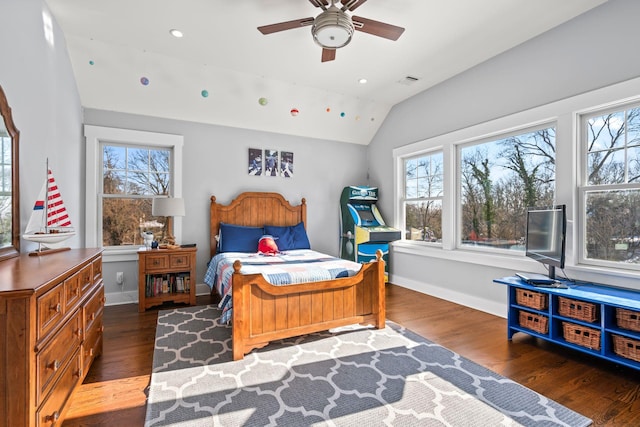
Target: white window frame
x,y
583,187
94,135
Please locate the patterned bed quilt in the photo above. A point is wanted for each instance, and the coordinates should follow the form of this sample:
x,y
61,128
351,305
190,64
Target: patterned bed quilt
x,y
292,267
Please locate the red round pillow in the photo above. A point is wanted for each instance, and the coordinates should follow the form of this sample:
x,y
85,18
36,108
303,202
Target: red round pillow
x,y
267,245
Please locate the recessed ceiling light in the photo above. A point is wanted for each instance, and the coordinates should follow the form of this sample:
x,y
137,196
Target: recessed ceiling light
x,y
362,81
176,33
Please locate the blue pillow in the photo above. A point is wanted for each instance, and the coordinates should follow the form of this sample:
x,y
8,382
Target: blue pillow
x,y
238,238
291,237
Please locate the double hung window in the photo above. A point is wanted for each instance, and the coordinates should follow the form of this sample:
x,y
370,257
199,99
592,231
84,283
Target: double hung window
x,y
423,192
126,170
610,190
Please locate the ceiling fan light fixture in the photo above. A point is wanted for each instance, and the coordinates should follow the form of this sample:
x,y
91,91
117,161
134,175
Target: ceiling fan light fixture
x,y
332,29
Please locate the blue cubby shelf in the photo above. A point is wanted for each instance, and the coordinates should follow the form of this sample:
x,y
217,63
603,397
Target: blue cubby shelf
x,y
605,299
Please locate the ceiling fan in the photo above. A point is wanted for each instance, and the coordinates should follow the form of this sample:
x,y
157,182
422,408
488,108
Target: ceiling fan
x,y
334,27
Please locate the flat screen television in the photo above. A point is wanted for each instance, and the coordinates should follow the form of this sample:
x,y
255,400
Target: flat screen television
x,y
546,235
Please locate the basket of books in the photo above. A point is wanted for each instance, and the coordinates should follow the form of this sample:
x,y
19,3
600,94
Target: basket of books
x,y
581,310
531,299
626,347
628,319
581,335
534,322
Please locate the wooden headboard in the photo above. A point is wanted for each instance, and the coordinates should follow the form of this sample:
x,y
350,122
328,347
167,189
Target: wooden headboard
x,y
255,209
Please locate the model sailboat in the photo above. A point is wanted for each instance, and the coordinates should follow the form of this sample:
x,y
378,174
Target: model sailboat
x,y
49,223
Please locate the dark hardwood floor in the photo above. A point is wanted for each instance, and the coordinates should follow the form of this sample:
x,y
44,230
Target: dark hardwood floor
x,y
113,393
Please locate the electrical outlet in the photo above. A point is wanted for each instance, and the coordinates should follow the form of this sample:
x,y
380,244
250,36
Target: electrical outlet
x,y
120,278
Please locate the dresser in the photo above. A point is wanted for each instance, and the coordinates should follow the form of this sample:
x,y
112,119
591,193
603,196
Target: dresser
x,y
50,332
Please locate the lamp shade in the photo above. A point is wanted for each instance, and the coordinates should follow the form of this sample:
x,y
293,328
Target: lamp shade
x,y
167,206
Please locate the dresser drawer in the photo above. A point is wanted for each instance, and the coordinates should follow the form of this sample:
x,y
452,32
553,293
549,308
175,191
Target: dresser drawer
x,y
156,262
86,278
51,410
72,292
180,261
92,310
50,310
92,346
97,270
56,354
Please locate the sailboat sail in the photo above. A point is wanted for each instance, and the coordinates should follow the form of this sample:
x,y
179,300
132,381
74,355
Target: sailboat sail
x,y
49,222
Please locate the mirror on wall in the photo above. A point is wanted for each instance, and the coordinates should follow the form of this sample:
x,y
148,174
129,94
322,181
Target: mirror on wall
x,y
9,189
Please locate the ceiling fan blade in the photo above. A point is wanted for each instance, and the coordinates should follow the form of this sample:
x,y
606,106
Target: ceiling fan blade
x,y
320,3
282,26
328,55
377,28
351,4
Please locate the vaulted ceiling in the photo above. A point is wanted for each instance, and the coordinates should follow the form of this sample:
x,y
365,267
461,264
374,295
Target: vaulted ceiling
x,y
224,71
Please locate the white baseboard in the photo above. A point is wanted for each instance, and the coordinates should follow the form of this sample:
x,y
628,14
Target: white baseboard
x,y
491,307
131,297
119,298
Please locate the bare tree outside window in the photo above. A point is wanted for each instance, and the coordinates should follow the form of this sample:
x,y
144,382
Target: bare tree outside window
x,y
612,186
132,177
499,180
423,197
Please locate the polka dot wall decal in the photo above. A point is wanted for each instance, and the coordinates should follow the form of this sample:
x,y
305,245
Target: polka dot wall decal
x,y
144,81
294,112
91,62
342,114
204,93
263,101
328,109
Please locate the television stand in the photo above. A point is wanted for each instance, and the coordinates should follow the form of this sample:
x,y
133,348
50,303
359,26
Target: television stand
x,y
603,321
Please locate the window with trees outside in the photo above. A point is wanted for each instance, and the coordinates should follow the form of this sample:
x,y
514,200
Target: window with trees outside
x,y
498,180
610,191
131,177
423,191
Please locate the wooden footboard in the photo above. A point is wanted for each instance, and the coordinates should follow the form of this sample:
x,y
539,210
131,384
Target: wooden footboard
x,y
263,312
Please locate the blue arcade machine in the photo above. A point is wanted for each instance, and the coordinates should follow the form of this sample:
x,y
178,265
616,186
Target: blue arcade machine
x,y
362,229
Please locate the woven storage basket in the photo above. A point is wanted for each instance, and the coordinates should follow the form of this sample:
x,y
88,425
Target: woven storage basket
x,y
626,347
581,335
628,319
534,322
531,299
580,310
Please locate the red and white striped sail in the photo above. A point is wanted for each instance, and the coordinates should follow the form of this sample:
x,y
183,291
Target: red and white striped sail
x,y
49,222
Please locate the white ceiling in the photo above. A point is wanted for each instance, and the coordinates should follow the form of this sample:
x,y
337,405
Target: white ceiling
x,y
113,44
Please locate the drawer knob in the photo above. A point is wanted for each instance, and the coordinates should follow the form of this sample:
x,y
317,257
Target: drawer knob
x,y
57,308
53,417
179,261
156,262
79,373
79,332
55,365
92,316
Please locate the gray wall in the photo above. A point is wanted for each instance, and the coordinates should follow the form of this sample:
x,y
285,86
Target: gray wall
x,y
592,51
38,81
215,160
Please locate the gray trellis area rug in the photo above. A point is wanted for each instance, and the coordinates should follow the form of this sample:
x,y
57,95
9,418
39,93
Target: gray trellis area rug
x,y
352,376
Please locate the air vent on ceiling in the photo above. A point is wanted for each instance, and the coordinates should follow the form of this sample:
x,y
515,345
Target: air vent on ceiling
x,y
408,80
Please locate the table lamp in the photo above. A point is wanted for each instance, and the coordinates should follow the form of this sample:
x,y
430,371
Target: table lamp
x,y
168,207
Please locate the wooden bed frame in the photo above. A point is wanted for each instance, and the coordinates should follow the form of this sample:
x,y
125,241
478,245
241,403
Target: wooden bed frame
x,y
263,312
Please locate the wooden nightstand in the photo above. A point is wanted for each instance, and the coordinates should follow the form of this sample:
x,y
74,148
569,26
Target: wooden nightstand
x,y
166,275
